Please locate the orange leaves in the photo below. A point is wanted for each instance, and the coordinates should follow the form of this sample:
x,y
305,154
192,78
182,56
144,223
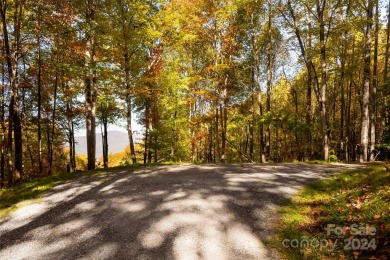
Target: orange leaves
x,y
199,136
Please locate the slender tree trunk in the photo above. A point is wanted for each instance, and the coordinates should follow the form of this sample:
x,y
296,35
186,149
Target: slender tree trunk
x,y
105,141
173,137
69,116
324,119
224,124
90,91
311,69
150,141
251,128
3,128
343,148
374,87
155,149
308,143
53,125
39,83
384,99
26,134
10,165
218,155
74,148
366,87
269,84
307,155
211,156
261,131
70,140
147,134
342,101
129,107
12,64
348,137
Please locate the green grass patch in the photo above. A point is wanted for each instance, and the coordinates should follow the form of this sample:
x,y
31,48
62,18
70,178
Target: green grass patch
x,y
352,197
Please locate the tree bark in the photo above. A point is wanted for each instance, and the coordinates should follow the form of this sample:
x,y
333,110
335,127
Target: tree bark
x,y
374,87
324,119
3,128
90,80
12,64
39,83
129,107
269,85
53,125
384,99
105,141
366,87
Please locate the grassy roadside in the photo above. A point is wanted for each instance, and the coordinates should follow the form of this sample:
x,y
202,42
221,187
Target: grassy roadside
x,y
354,200
15,197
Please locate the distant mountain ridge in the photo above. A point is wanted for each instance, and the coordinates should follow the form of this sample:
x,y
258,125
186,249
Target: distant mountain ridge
x,y
117,142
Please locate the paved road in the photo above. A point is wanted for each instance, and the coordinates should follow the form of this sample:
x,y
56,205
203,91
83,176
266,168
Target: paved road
x,y
169,212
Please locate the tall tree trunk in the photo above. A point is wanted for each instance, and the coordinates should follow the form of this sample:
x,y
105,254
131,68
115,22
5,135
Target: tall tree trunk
x,y
70,140
39,83
3,127
373,109
90,80
105,141
308,150
74,148
307,155
348,137
147,133
218,154
53,126
69,116
224,124
129,107
324,119
342,101
311,69
12,64
384,100
261,130
173,137
22,119
257,84
251,128
150,141
366,87
269,84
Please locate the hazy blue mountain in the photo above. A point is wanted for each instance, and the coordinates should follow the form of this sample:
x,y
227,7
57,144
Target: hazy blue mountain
x,y
117,142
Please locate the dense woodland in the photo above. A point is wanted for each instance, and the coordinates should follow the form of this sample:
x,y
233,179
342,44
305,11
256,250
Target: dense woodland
x,y
210,81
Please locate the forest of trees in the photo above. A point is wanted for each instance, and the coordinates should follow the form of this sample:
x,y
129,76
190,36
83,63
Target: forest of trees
x,y
209,80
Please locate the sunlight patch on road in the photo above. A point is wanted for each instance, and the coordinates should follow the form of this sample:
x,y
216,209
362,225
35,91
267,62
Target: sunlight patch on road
x,y
85,206
23,216
244,242
67,228
151,240
158,193
176,195
202,227
105,251
107,188
131,206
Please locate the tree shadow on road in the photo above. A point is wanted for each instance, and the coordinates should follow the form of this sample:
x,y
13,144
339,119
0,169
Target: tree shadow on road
x,y
168,212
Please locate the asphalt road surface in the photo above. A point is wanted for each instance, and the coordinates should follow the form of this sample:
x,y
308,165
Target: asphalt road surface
x,y
169,212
